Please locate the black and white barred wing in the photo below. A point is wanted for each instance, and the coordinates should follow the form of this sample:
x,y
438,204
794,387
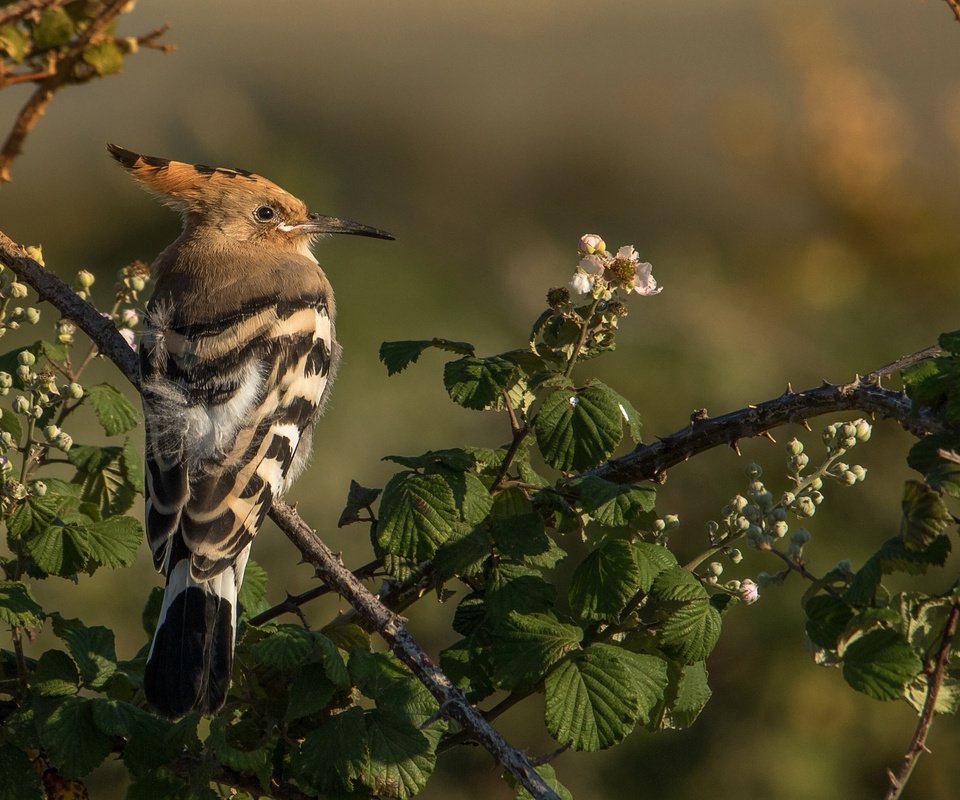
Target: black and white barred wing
x,y
229,409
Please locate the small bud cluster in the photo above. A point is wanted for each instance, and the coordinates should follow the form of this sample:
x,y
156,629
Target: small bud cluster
x,y
662,527
12,314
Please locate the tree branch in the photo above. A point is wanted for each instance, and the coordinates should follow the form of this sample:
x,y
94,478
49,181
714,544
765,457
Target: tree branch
x,y
330,569
918,745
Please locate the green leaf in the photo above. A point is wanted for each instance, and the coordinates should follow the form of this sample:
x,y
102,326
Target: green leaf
x,y
20,780
924,515
115,541
880,664
948,696
605,581
332,661
115,413
359,498
285,647
652,559
56,675
10,423
71,737
690,625
310,692
253,590
630,415
104,56
525,646
894,555
103,476
577,430
517,587
691,695
454,458
150,740
468,664
61,549
93,649
472,498
827,619
400,756
596,697
397,356
17,606
15,44
256,759
549,776
523,538
36,514
334,755
417,513
463,555
54,29
617,505
477,383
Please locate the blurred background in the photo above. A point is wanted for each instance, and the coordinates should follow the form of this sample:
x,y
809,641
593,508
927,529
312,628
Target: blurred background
x,y
791,171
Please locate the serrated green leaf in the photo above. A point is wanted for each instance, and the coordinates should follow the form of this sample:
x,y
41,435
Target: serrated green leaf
x,y
617,505
690,625
359,498
348,637
56,675
468,665
525,646
17,606
150,741
948,694
53,29
115,413
631,417
310,692
827,619
652,559
477,383
470,614
880,664
417,513
20,779
70,736
104,56
397,356
549,776
472,498
253,590
333,665
61,549
93,649
463,555
257,759
691,694
924,515
523,538
36,513
334,755
605,581
400,757
103,477
115,541
577,430
132,467
596,697
285,647
517,587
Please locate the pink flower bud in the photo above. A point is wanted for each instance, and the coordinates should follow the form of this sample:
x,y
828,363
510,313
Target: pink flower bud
x,y
591,243
749,591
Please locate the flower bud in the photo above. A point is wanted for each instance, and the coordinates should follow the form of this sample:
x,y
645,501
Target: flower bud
x,y
816,484
800,536
859,472
712,528
749,592
715,568
6,439
137,283
21,404
753,471
735,555
26,358
51,432
794,446
39,488
32,315
805,507
24,372
779,529
18,290
75,391
864,429
591,243
671,521
36,253
85,279
64,442
788,498
739,502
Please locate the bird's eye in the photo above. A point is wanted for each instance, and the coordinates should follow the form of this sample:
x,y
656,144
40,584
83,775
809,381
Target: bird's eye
x,y
264,213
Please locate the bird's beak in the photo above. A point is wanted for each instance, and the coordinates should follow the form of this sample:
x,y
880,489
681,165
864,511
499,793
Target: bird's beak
x,y
318,224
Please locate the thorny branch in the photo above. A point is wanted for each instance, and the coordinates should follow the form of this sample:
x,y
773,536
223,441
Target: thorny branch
x,y
330,568
644,462
935,677
61,70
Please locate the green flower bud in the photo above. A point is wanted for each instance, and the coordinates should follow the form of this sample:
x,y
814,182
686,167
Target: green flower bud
x,y
21,404
779,529
671,520
36,253
864,429
715,568
848,431
846,444
753,471
788,498
849,478
659,526
64,442
137,283
85,279
817,497
36,412
805,507
18,290
816,483
794,447
15,489
739,502
859,472
735,555
75,391
32,315
51,432
6,439
39,488
26,358
24,373
742,523
798,463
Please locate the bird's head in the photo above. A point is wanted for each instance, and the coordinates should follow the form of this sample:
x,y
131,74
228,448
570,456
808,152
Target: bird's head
x,y
235,202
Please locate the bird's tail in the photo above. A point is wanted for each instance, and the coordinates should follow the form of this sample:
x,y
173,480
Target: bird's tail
x,y
190,660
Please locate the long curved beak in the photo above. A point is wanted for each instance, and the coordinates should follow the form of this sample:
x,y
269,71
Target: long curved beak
x,y
319,224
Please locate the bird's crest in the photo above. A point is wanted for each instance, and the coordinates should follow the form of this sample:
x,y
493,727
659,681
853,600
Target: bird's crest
x,y
189,185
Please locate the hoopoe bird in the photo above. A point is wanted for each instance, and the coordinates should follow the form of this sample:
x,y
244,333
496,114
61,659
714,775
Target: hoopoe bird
x,y
236,360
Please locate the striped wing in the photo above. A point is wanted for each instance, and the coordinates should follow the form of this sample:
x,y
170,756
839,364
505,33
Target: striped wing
x,y
229,408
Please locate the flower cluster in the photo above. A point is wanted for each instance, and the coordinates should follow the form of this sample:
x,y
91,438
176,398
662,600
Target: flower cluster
x,y
601,274
12,290
125,312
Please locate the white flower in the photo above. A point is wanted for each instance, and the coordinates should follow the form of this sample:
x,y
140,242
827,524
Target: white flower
x,y
591,243
628,253
129,337
592,265
644,284
581,283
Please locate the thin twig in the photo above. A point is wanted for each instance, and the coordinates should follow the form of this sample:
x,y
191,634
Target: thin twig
x,y
955,7
918,744
18,10
330,568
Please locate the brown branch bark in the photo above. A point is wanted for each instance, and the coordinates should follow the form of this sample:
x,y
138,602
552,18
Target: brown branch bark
x,y
330,569
21,9
918,745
